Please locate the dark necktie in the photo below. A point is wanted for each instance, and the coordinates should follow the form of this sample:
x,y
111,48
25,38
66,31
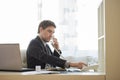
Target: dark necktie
x,y
49,53
48,50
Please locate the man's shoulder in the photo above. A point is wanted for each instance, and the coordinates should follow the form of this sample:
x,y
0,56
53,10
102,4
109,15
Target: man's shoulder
x,y
36,40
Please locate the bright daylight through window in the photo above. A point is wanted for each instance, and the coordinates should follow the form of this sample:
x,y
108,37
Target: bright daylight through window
x,y
76,20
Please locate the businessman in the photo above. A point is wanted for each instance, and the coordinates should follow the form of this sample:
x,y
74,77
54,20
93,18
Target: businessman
x,y
39,53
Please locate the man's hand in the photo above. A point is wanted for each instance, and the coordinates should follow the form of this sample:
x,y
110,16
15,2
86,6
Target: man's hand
x,y
55,43
78,65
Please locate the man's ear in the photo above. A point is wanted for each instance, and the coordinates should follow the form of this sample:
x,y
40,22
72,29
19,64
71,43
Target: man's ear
x,y
41,29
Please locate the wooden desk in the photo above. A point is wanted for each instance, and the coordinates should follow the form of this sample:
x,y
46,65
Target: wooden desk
x,y
68,76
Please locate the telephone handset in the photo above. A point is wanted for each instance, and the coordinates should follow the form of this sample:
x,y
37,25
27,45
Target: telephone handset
x,y
52,43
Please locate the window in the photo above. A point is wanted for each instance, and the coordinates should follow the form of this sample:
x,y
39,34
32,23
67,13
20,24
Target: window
x,y
76,22
77,25
18,21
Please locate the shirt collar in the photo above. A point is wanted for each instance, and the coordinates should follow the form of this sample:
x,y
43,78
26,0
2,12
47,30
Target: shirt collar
x,y
42,41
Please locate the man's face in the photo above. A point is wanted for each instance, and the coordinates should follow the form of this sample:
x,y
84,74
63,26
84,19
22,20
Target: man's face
x,y
47,33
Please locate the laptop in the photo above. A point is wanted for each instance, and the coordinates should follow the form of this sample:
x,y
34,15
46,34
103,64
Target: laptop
x,y
10,58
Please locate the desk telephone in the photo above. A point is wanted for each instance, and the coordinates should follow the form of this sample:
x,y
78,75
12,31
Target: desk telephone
x,y
90,67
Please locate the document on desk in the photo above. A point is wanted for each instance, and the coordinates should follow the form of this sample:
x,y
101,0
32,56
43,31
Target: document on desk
x,y
40,72
73,70
85,69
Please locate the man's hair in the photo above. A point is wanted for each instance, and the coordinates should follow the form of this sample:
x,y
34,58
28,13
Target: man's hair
x,y
46,23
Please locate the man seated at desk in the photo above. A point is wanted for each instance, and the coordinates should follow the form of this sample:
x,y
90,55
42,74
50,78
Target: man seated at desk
x,y
39,53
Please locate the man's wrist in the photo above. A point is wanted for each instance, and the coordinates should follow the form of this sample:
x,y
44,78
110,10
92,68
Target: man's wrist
x,y
59,50
67,64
